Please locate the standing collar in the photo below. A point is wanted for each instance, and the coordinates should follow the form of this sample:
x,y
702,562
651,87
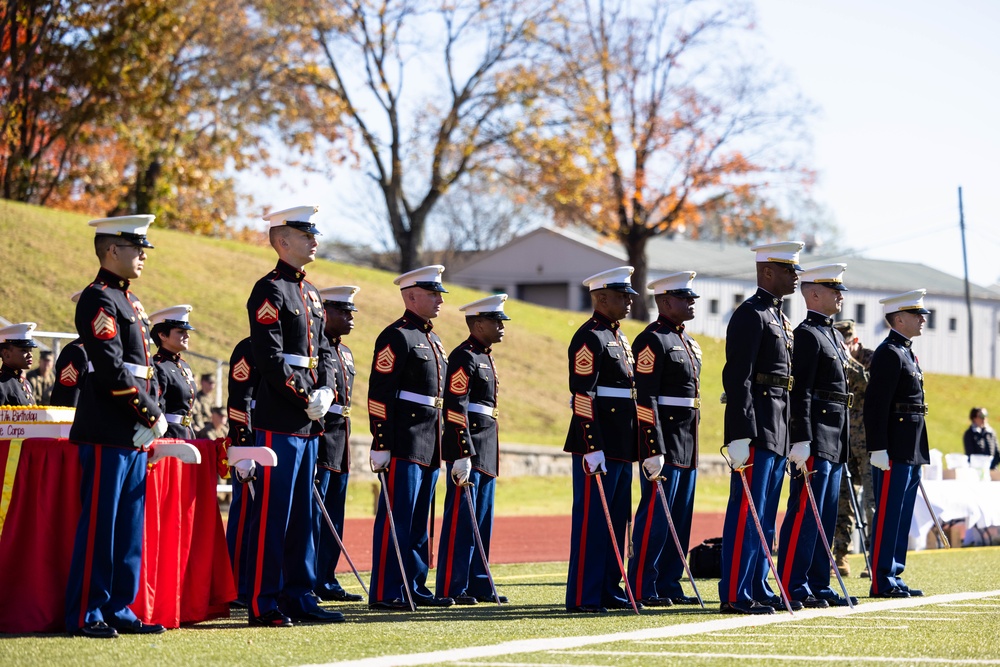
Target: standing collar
x,y
7,370
167,355
899,338
421,323
767,296
606,321
816,317
478,345
286,270
679,328
112,279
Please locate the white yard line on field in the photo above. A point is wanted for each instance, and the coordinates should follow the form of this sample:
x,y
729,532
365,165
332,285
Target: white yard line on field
x,y
723,623
846,659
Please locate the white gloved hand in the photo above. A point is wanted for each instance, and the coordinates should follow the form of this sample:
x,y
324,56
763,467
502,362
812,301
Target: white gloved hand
x,y
245,470
320,401
145,435
461,469
653,465
739,451
880,459
594,462
380,459
799,454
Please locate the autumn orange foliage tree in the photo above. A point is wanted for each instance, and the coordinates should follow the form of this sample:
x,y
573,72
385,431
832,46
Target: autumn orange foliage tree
x,y
655,123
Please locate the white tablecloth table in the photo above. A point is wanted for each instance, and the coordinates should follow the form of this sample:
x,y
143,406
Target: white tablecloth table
x,y
975,502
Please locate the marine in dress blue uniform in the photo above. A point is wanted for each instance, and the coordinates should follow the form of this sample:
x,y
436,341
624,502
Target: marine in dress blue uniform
x,y
471,446
602,439
243,381
334,460
16,345
117,418
294,360
757,378
668,395
173,375
818,430
71,365
897,440
405,396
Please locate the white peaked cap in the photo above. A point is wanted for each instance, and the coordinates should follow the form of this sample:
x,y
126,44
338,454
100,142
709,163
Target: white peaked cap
x,y
342,296
130,227
912,302
491,306
177,316
19,334
428,277
831,275
675,284
618,279
298,217
785,252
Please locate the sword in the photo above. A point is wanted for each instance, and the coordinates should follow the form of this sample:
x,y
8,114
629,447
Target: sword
x,y
822,534
466,487
614,542
859,517
658,481
262,455
942,538
763,540
395,540
340,543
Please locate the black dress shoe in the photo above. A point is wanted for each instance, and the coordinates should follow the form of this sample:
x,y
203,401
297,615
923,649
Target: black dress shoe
x,y
838,600
390,605
433,602
270,619
891,593
489,598
338,596
237,604
318,615
776,603
656,601
622,604
586,609
684,599
810,602
745,607
137,627
914,592
97,630
464,599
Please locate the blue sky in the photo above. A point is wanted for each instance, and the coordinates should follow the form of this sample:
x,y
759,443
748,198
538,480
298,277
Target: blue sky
x,y
908,99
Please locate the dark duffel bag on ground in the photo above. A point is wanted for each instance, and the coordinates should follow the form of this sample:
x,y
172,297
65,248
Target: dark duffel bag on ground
x,y
705,559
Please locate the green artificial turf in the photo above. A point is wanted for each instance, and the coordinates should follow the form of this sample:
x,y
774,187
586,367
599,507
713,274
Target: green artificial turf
x,y
955,631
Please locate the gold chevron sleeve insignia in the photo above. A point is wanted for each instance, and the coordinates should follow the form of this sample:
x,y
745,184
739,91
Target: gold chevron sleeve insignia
x,y
376,409
646,361
239,416
103,326
385,360
69,376
583,361
267,313
583,406
241,370
458,384
645,414
456,417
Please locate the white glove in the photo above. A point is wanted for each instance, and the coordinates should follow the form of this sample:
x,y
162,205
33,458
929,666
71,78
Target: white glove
x,y
799,454
245,470
380,459
594,462
739,451
653,465
145,435
320,401
880,459
461,469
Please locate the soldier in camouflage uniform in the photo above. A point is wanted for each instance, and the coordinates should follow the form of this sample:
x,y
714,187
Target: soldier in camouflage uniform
x,y
857,462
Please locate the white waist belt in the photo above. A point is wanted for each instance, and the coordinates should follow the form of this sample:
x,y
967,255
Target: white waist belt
x,y
337,409
184,420
253,403
481,409
144,372
430,401
615,392
300,361
678,402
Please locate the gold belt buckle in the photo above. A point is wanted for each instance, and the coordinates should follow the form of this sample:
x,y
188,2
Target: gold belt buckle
x,y
697,403
496,413
635,394
438,403
313,362
186,420
150,372
791,382
850,400
346,412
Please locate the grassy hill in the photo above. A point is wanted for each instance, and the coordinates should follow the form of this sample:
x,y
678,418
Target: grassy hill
x,y
50,255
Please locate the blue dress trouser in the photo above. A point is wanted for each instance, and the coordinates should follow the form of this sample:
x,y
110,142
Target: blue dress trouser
x,y
238,535
802,560
594,579
744,563
281,555
460,567
411,491
332,487
895,492
656,568
107,552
